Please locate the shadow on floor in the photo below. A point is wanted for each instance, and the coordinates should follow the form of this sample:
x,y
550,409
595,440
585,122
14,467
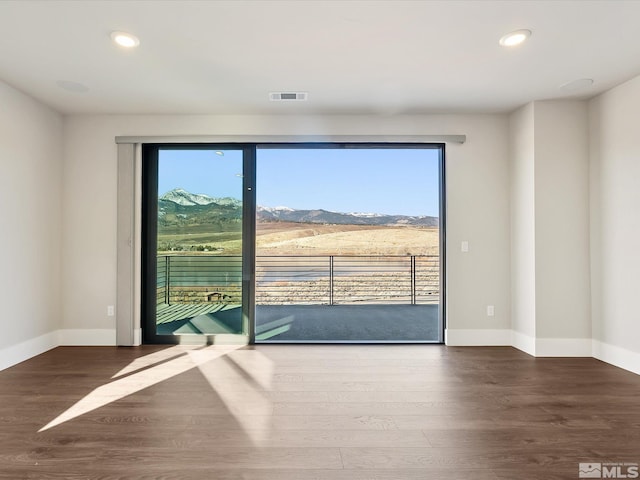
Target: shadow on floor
x,y
226,320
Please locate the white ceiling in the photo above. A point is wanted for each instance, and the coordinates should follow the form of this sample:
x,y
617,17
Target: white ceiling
x,y
353,57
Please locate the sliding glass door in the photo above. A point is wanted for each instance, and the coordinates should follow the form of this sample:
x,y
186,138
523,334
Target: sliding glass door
x,y
293,243
348,244
195,233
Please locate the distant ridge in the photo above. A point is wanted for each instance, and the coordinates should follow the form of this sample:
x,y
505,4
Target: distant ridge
x,y
179,207
184,198
327,217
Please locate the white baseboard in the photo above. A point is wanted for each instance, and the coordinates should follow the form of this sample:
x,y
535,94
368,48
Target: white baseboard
x,y
477,337
563,347
87,337
14,354
137,337
523,342
542,347
618,356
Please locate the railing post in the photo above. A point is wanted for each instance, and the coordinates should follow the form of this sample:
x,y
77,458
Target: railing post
x,y
330,279
413,279
167,279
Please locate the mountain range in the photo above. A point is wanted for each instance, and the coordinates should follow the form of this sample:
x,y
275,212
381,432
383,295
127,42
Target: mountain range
x,y
186,199
179,207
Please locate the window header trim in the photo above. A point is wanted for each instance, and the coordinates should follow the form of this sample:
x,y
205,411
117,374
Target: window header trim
x,y
288,139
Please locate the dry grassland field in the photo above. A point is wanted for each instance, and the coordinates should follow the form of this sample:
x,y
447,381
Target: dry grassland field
x,y
297,281
289,238
280,238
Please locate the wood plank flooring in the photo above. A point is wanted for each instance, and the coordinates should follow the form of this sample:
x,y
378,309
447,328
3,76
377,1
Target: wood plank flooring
x,y
321,412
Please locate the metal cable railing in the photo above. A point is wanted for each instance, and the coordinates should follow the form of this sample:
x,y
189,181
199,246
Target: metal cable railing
x,y
298,279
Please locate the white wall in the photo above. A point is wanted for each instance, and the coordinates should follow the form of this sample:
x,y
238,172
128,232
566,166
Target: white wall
x,y
59,243
550,228
523,294
477,186
30,194
615,224
493,204
563,309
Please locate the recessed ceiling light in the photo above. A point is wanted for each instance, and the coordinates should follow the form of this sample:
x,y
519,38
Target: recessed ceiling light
x,y
577,85
125,39
220,153
73,87
515,38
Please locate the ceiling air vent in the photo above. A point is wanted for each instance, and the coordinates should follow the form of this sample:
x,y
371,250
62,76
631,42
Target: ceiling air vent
x,y
288,96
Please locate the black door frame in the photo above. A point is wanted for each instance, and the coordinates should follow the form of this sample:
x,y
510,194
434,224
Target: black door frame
x,y
150,214
150,153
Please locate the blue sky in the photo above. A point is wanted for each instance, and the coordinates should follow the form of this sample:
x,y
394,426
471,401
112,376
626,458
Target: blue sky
x,y
201,171
392,181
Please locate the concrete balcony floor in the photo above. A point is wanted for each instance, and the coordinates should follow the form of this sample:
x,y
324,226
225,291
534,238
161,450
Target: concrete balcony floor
x,y
308,323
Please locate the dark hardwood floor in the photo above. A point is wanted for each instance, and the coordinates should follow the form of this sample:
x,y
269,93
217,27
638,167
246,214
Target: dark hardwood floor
x,y
299,412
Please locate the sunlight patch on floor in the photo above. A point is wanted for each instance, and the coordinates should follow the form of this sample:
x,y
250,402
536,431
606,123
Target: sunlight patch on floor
x,y
136,382
154,358
241,381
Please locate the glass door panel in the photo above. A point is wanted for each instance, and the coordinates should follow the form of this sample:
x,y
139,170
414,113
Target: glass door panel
x,y
194,242
348,244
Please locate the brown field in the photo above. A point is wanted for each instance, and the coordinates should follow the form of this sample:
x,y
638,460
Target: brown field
x,y
299,239
285,238
310,239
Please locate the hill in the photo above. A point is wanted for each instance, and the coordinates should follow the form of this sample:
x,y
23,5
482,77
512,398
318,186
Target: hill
x,y
179,209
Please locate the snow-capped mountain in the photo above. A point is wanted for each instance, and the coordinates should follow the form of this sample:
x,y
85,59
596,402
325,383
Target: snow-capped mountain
x,y
366,215
261,208
286,214
179,207
184,198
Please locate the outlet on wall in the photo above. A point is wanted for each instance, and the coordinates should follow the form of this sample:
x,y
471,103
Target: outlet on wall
x,y
111,310
491,310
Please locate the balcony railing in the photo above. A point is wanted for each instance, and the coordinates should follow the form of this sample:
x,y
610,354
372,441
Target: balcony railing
x,y
304,279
